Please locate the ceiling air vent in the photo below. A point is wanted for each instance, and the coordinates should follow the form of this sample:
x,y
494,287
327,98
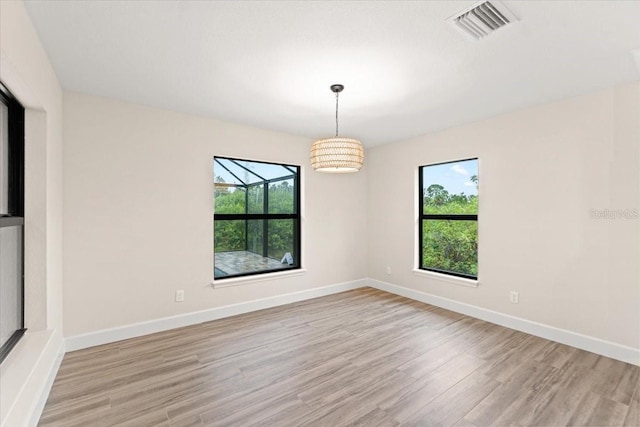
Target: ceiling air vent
x,y
483,19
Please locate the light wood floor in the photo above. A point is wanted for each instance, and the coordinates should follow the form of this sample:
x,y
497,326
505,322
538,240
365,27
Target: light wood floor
x,y
363,357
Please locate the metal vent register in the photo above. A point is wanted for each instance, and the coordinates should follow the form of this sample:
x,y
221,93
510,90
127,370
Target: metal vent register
x,y
483,19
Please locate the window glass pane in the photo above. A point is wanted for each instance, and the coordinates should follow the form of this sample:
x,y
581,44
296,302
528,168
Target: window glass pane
x,y
231,172
450,246
10,281
281,197
243,243
245,172
4,159
229,235
280,237
450,188
256,199
229,200
255,236
231,258
262,171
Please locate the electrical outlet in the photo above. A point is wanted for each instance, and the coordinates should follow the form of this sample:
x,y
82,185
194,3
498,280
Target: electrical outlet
x,y
179,296
388,270
514,297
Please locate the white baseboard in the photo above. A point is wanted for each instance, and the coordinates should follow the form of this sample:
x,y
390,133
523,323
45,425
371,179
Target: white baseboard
x,y
27,375
574,339
46,387
106,336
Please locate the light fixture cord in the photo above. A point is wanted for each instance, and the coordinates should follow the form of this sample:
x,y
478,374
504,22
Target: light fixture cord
x,y
337,113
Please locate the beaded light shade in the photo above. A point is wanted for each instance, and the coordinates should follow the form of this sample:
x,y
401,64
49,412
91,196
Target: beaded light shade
x,y
337,154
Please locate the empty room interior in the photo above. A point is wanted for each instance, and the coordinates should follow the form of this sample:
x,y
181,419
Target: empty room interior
x,y
319,213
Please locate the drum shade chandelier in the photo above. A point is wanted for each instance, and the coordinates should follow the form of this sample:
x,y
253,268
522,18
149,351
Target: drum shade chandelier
x,y
337,154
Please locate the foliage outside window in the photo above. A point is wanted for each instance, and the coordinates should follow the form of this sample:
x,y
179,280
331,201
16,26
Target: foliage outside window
x,y
256,217
448,224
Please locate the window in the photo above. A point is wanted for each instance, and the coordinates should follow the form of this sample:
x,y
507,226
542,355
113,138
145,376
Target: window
x,y
256,217
448,218
11,222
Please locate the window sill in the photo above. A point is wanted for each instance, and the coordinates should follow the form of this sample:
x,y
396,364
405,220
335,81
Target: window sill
x,y
470,283
225,283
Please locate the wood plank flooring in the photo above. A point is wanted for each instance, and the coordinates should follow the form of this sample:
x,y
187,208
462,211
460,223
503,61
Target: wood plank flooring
x,y
359,358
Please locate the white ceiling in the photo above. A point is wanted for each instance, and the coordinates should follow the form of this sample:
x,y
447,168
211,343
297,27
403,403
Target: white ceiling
x,y
269,64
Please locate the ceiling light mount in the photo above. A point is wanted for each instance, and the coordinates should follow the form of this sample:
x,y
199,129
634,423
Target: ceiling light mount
x,y
337,154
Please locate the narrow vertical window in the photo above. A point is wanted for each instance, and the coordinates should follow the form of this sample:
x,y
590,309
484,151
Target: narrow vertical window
x,y
11,222
256,217
448,225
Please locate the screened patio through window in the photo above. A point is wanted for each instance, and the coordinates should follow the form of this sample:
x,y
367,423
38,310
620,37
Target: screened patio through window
x,y
256,217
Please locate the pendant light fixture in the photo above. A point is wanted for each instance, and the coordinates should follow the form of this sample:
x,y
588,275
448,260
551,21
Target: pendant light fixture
x,y
337,154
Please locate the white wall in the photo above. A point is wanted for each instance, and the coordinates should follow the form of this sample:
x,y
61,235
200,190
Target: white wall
x,y
25,69
138,213
542,170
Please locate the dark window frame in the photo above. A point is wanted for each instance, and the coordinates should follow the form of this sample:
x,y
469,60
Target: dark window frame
x,y
15,196
438,217
296,217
